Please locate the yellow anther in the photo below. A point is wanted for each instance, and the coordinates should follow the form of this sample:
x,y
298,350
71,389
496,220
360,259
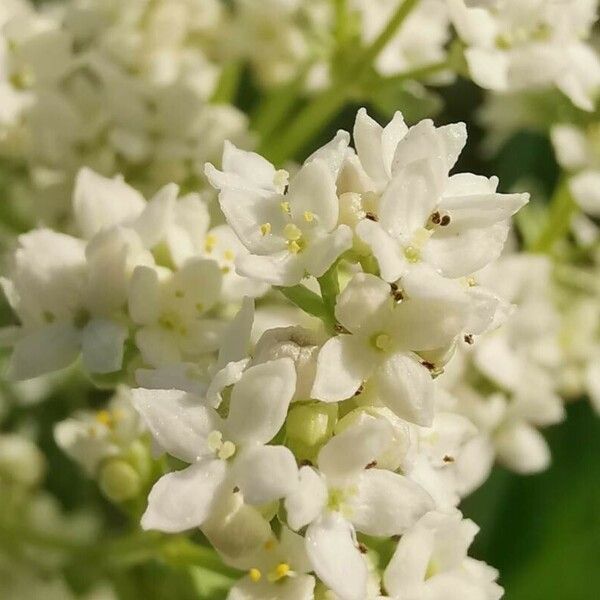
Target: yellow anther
x,y
226,451
292,232
104,418
265,228
285,207
214,440
225,270
294,247
280,179
270,544
228,255
210,242
279,572
254,575
383,342
309,216
471,281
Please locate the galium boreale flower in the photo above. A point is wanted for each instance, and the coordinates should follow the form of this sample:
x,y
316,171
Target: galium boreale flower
x,y
348,492
278,570
417,213
515,45
383,335
290,234
431,562
225,454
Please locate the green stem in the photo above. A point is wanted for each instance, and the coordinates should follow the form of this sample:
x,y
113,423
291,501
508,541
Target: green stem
x,y
180,551
330,288
309,302
417,73
558,224
228,84
329,102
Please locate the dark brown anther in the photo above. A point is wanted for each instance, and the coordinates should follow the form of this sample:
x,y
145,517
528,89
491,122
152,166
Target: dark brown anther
x,y
468,338
360,390
371,216
397,294
428,365
339,328
236,489
362,548
371,465
436,218
448,459
306,463
445,221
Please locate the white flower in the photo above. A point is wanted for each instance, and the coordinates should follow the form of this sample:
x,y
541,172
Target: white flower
x,y
48,289
431,562
171,310
21,461
225,454
277,571
516,45
455,224
89,437
578,151
289,235
383,336
419,41
349,492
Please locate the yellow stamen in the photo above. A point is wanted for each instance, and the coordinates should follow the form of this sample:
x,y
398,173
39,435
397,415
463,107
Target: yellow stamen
x,y
226,451
104,418
412,254
228,255
214,440
254,575
265,228
294,247
280,571
281,179
471,281
285,207
309,216
383,342
210,242
292,232
270,544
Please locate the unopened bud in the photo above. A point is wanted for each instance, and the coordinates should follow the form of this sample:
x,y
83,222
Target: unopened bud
x,y
308,427
119,481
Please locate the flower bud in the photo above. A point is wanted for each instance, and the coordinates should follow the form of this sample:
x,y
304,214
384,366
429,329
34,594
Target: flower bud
x,y
20,460
119,481
308,427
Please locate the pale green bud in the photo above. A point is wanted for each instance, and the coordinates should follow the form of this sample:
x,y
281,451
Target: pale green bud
x,y
119,481
21,461
308,427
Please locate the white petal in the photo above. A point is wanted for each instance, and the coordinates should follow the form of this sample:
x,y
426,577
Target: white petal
x,y
102,345
488,68
367,139
236,339
177,421
333,153
481,210
522,448
264,473
405,386
200,280
387,251
283,268
159,347
324,250
410,198
157,216
184,499
584,188
45,350
313,190
343,364
393,132
186,377
387,504
100,202
457,254
364,296
335,558
259,401
144,296
350,451
306,502
230,374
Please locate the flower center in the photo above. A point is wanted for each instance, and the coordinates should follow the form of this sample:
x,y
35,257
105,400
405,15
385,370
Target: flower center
x,y
223,449
381,342
413,250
